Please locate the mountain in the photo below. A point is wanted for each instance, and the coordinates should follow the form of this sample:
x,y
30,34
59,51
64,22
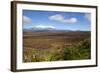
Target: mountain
x,y
45,30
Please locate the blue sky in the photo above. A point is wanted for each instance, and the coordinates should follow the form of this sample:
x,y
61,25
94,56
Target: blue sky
x,y
56,20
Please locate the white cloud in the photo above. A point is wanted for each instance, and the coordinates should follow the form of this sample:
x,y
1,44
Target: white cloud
x,y
60,18
56,17
26,20
87,16
71,20
43,26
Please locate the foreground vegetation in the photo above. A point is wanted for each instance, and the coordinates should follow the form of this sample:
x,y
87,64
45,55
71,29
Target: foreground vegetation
x,y
76,51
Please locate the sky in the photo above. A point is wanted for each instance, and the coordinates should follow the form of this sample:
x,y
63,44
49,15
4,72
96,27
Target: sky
x,y
56,20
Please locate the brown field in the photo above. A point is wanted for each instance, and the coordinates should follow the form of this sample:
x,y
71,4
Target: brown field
x,y
47,40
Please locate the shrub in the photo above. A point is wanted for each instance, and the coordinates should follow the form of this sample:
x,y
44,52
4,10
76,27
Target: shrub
x,y
78,51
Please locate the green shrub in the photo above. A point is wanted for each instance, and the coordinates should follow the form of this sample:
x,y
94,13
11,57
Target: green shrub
x,y
78,51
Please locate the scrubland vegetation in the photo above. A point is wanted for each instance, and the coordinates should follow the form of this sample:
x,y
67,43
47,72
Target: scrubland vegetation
x,y
56,46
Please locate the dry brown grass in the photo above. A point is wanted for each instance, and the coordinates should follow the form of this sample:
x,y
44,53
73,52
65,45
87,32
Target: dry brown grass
x,y
43,41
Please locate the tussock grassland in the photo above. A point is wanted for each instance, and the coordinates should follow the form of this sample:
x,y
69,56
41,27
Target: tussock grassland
x,y
56,46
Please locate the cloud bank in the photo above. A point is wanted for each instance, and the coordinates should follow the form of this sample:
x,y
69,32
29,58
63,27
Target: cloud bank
x,y
60,18
44,27
26,20
88,16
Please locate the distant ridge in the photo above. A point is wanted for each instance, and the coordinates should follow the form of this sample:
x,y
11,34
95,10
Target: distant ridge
x,y
50,30
45,30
